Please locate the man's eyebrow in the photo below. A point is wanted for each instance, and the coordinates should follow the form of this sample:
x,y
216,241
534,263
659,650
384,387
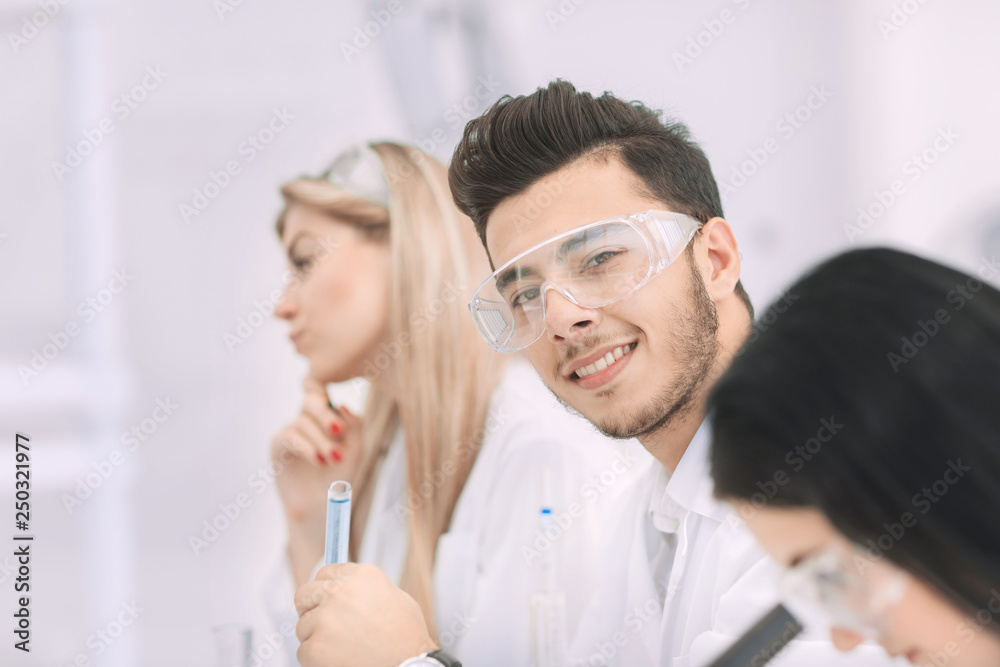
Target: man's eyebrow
x,y
509,275
574,241
517,272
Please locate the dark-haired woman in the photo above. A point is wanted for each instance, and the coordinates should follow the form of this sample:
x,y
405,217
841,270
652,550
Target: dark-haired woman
x,y
859,437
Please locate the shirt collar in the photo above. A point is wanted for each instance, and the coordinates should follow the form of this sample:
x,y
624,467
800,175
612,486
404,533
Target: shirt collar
x,y
689,489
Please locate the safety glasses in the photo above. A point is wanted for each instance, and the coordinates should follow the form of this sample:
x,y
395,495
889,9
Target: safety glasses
x,y
358,170
591,266
843,584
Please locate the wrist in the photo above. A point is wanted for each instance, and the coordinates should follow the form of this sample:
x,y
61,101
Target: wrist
x,y
433,658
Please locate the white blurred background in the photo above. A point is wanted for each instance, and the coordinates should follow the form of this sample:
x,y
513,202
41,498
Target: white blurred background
x,y
161,95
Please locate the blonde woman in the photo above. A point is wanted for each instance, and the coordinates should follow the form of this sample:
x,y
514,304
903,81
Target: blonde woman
x,y
457,452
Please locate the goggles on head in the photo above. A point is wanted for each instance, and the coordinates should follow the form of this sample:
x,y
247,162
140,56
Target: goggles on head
x,y
358,170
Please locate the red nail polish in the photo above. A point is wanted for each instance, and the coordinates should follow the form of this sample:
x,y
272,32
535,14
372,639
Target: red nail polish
x,y
319,457
335,429
336,456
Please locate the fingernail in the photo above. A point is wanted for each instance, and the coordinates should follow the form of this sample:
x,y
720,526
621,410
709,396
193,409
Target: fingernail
x,y
335,429
336,456
319,457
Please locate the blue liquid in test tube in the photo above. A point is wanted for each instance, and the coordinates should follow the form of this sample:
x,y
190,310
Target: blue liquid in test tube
x,y
338,522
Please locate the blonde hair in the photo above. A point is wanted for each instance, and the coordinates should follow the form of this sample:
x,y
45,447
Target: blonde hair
x,y
444,374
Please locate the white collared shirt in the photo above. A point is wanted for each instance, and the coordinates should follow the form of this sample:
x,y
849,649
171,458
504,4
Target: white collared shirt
x,y
685,578
488,564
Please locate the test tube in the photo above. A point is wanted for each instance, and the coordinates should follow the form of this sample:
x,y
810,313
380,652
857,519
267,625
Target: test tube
x,y
548,608
338,522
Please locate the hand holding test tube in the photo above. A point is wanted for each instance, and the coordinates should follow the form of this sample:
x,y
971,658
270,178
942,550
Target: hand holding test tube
x,y
338,522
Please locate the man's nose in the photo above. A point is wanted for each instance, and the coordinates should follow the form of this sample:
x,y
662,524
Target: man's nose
x,y
565,319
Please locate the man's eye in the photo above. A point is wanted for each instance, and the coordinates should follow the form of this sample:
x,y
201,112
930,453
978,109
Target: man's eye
x,y
600,258
522,299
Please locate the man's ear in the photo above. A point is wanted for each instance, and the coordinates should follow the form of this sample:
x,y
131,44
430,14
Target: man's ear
x,y
718,258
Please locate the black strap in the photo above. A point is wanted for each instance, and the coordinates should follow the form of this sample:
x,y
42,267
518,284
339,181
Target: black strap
x,y
445,658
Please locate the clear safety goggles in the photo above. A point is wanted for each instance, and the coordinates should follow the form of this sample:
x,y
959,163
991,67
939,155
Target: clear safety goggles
x,y
591,266
843,586
358,170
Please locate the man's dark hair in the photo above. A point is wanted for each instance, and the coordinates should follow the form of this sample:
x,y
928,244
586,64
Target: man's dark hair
x,y
521,140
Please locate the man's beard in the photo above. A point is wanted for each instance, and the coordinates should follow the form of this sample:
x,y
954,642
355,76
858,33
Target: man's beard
x,y
694,346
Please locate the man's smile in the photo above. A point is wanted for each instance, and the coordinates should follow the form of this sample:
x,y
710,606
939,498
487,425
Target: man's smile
x,y
601,366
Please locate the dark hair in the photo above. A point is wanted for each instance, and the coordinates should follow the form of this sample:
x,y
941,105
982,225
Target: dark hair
x,y
521,140
880,382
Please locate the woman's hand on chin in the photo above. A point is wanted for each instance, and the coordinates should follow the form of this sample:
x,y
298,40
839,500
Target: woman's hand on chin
x,y
321,446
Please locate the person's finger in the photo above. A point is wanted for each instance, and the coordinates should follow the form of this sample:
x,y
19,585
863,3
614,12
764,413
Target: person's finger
x,y
339,571
318,408
311,654
289,444
321,443
306,626
351,421
309,596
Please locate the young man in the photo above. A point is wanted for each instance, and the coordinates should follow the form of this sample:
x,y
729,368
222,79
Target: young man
x,y
619,279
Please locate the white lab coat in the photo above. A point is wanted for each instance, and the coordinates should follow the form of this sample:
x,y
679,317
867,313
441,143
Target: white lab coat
x,y
488,564
686,578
